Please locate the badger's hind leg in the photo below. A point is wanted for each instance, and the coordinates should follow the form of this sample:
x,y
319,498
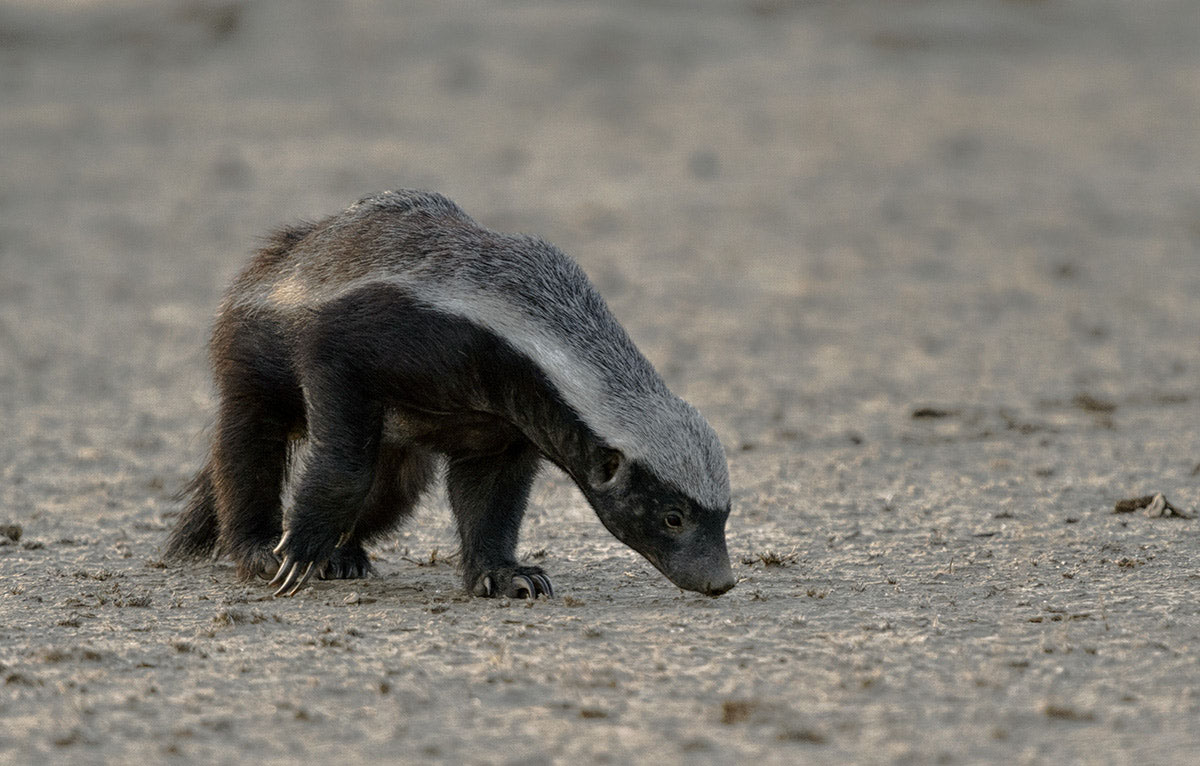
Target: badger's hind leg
x,y
402,474
248,462
488,494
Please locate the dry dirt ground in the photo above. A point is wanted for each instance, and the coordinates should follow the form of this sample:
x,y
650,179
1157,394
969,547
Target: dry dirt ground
x,y
930,268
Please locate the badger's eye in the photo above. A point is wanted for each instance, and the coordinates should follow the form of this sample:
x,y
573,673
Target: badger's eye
x,y
673,519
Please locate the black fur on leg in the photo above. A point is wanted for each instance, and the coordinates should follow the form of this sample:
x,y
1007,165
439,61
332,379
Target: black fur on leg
x,y
249,459
488,493
402,474
261,406
349,562
335,471
195,533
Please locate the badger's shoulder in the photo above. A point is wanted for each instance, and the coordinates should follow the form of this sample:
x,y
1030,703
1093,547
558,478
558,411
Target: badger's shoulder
x,y
303,265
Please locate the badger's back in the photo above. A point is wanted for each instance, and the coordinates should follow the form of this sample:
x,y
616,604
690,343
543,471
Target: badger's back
x,y
522,289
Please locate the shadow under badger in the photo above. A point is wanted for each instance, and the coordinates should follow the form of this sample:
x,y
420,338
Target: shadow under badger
x,y
352,352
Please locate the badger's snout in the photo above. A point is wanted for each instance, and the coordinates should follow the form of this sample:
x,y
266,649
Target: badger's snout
x,y
720,582
710,575
717,587
713,584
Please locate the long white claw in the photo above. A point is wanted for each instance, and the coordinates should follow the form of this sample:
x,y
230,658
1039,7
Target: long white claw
x,y
287,581
282,542
308,570
484,587
295,579
282,573
524,587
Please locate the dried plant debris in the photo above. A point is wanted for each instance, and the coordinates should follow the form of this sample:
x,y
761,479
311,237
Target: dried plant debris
x,y
802,734
1067,712
1155,506
436,558
933,413
1089,403
11,531
772,558
737,710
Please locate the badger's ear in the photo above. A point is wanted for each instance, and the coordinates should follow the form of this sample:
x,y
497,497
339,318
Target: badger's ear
x,y
608,465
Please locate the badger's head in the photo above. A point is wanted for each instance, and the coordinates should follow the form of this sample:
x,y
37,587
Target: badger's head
x,y
672,511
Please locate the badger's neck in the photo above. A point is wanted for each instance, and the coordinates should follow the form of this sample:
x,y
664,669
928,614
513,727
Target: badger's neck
x,y
521,393
647,424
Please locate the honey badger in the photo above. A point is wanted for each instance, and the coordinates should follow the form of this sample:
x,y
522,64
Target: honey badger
x,y
354,353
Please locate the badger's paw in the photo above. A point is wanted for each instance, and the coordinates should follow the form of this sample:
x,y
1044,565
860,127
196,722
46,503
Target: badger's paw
x,y
512,582
257,562
301,558
349,562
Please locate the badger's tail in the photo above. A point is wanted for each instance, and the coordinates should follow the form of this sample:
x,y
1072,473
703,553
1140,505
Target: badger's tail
x,y
195,533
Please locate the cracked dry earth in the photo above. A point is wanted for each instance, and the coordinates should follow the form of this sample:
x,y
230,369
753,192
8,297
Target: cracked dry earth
x,y
930,269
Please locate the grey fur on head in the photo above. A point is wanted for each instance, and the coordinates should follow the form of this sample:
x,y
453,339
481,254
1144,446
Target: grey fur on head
x,y
532,295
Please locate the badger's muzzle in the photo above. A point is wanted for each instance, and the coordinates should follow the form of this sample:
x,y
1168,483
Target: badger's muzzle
x,y
704,571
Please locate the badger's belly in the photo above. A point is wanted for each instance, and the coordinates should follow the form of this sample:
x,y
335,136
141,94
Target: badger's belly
x,y
448,431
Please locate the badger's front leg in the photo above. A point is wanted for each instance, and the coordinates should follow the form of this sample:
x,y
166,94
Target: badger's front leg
x,y
334,478
488,494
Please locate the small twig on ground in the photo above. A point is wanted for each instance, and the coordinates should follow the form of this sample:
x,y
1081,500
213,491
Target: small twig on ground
x,y
772,558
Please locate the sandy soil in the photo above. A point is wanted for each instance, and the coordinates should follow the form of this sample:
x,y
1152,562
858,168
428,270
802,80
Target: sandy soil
x,y
817,219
